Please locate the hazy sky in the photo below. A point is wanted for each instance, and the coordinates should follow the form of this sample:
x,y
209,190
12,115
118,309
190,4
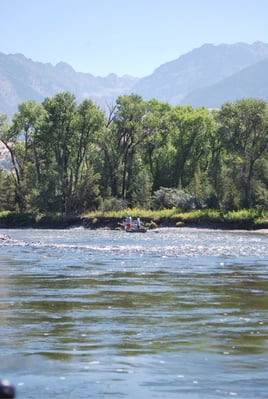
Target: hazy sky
x,y
125,36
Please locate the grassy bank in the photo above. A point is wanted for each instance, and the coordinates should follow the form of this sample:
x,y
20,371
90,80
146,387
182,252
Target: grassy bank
x,y
250,219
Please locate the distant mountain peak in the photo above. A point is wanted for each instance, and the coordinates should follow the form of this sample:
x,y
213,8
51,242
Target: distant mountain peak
x,y
201,67
182,80
64,67
22,79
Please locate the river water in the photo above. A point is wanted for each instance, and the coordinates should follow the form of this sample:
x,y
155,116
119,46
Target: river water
x,y
173,313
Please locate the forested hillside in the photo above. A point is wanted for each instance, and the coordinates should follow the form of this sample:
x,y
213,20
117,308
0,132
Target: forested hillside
x,y
72,157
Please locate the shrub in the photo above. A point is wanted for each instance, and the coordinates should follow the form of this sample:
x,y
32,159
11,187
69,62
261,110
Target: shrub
x,y
167,198
113,204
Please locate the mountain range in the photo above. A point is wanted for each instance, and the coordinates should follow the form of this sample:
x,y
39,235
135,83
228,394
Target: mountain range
x,y
206,76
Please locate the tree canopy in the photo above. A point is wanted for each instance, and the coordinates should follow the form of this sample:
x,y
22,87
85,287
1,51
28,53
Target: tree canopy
x,y
69,157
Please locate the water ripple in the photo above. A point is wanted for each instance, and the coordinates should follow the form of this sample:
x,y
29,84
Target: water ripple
x,y
176,314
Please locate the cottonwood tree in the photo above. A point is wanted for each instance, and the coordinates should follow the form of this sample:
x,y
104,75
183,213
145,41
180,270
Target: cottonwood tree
x,y
20,141
69,133
243,132
122,144
184,157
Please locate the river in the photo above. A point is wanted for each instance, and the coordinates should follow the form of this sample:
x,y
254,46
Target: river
x,y
172,313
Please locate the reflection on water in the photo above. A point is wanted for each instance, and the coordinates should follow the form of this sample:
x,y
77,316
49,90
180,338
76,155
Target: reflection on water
x,y
177,313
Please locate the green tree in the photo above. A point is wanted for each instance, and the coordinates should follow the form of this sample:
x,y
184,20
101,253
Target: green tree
x,y
86,190
191,129
122,144
243,132
183,158
157,150
7,192
19,139
59,136
69,135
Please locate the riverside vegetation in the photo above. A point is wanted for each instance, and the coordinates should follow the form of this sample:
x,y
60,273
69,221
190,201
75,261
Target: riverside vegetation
x,y
249,219
173,165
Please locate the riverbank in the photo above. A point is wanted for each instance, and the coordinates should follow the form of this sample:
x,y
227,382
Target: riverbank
x,y
154,220
114,223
